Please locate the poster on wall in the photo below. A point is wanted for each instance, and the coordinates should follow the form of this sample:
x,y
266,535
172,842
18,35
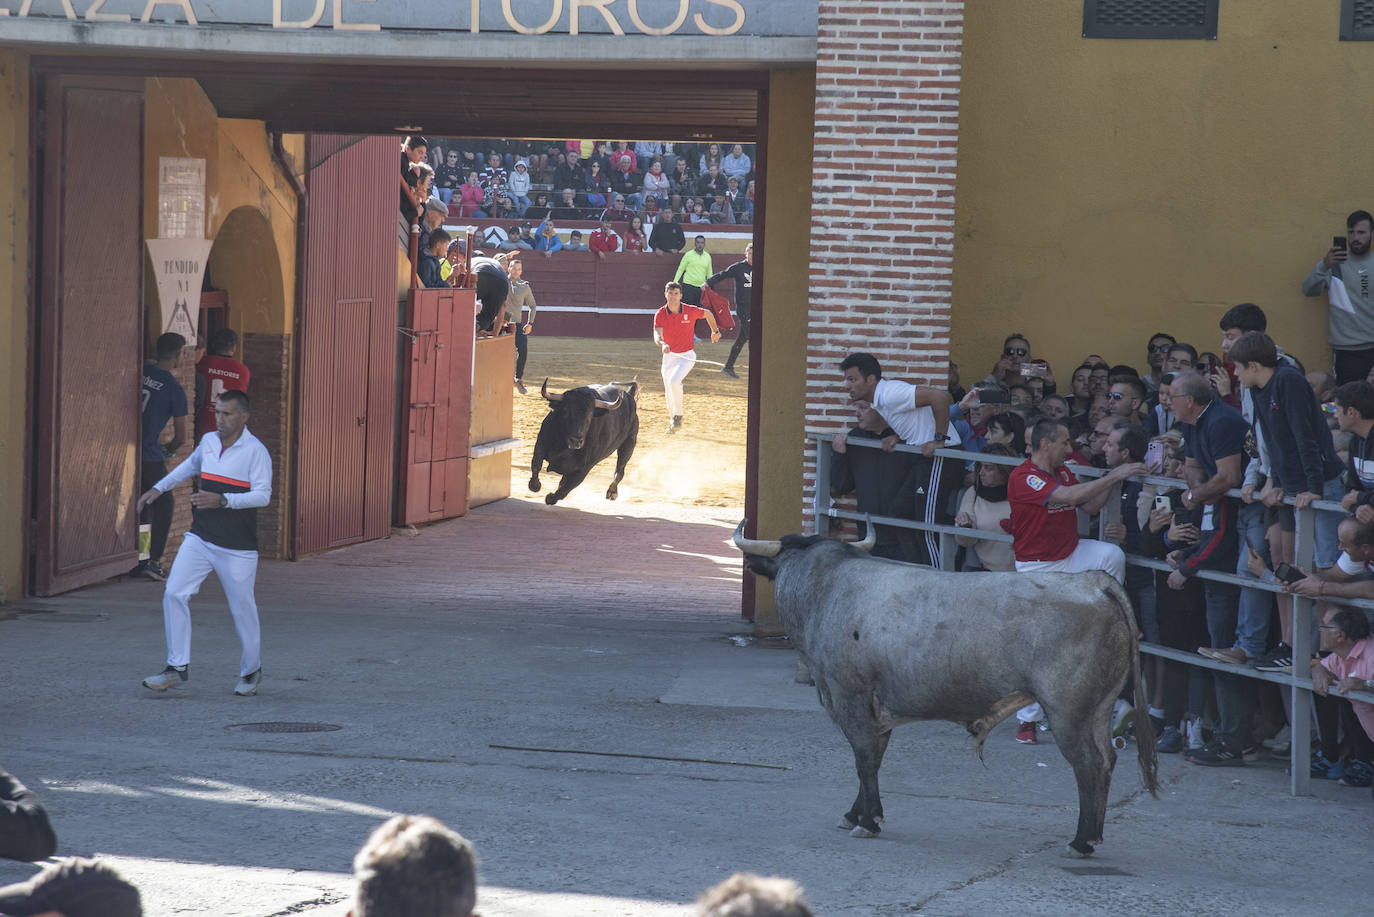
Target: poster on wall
x,y
180,198
179,266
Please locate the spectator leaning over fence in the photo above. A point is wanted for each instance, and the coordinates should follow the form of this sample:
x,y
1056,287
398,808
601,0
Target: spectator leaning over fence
x,y
883,484
604,240
575,243
1302,458
667,235
413,152
1214,443
984,506
546,238
1044,496
635,240
1343,277
693,271
919,416
1126,445
1348,666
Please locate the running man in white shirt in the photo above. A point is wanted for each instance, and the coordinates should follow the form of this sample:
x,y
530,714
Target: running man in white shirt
x,y
235,479
917,415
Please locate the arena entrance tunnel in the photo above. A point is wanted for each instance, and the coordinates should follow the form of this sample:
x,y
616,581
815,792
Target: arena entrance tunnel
x,y
341,99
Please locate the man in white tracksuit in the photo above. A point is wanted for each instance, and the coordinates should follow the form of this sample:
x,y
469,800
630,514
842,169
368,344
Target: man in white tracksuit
x,y
235,479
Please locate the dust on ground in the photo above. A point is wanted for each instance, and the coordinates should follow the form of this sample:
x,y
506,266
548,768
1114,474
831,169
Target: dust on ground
x,y
698,468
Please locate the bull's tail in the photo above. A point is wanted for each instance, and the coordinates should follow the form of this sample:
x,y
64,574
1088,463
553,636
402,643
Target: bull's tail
x,y
1146,753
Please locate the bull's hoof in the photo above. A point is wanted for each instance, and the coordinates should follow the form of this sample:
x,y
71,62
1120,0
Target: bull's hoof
x,y
535,485
551,499
612,493
847,824
1078,850
861,831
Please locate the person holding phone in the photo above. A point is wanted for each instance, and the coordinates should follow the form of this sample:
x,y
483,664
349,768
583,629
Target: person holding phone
x,y
1345,275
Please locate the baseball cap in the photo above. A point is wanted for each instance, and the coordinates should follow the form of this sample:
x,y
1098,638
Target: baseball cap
x,y
77,887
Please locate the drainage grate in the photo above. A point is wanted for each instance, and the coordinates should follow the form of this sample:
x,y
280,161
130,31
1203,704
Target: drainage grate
x,y
285,727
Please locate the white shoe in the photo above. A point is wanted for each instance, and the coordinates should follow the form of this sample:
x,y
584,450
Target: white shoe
x,y
169,677
248,684
1123,715
1193,732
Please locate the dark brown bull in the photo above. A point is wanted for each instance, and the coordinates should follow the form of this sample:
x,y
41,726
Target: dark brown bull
x,y
585,425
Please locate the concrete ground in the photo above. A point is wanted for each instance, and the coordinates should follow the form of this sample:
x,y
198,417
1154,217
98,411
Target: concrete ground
x,y
576,692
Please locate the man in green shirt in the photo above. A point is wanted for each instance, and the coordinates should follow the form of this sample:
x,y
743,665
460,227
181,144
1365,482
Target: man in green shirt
x,y
693,270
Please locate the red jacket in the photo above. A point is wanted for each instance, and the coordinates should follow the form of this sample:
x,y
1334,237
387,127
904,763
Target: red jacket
x,y
604,241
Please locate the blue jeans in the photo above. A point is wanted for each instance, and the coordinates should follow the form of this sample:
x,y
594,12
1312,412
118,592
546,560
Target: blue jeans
x,y
1234,695
522,203
1325,542
1146,613
634,201
1256,605
445,194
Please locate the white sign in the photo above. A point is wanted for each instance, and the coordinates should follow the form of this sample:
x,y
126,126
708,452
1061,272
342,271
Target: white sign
x,y
180,198
179,265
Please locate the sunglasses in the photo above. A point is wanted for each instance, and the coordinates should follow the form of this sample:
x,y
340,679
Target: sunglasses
x,y
1117,396
1015,352
1327,627
1160,348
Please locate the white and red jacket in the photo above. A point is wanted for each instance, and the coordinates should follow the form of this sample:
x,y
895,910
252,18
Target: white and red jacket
x,y
243,473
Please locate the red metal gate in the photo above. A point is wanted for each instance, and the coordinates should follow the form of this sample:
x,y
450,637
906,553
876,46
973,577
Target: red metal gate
x,y
438,398
90,339
347,405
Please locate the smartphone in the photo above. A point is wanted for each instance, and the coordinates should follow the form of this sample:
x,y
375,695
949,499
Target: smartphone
x,y
1154,461
1286,573
1162,502
1338,242
1183,517
1034,370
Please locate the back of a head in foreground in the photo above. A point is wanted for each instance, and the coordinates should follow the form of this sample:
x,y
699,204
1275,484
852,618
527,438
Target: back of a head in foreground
x,y
415,866
76,887
747,895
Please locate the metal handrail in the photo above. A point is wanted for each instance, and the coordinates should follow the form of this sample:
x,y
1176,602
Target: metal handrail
x,y
1303,606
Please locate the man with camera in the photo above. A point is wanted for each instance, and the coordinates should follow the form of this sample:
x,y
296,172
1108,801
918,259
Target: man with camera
x,y
1343,275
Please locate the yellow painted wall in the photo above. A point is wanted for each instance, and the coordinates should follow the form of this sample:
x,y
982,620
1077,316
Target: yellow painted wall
x,y
1111,189
240,172
14,312
791,119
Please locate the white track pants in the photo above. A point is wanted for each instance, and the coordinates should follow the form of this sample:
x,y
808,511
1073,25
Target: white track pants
x,y
237,571
676,366
1089,555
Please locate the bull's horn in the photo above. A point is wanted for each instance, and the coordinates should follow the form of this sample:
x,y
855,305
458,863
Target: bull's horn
x,y
544,390
610,405
751,546
871,538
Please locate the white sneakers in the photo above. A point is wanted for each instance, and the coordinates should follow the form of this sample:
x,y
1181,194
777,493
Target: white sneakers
x,y
248,684
169,677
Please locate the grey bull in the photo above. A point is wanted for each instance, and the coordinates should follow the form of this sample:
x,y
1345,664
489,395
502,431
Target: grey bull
x,y
891,643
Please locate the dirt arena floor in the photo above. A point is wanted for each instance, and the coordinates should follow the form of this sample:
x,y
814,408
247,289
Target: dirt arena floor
x,y
701,465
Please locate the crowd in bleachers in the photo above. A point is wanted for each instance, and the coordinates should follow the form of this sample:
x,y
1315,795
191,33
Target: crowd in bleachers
x,y
537,183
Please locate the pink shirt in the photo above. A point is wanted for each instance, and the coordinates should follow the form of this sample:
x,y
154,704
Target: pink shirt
x,y
1360,663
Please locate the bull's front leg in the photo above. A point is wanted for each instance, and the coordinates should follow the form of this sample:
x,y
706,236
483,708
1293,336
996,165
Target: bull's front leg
x,y
536,465
622,458
565,486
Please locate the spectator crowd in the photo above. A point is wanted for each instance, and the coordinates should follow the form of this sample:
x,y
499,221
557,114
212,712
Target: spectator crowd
x,y
1246,417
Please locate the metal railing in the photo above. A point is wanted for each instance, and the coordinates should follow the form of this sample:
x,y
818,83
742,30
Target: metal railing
x,y
1297,679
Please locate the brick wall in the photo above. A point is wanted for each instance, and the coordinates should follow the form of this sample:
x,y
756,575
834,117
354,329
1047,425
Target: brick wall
x,y
267,356
882,231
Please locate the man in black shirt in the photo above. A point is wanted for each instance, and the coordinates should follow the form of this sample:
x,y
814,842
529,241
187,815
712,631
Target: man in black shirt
x,y
742,273
667,234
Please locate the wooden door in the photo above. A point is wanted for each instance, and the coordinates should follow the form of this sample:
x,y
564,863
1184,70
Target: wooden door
x,y
90,333
438,398
347,373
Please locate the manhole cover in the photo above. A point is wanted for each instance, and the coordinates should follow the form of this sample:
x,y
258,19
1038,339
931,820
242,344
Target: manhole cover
x,y
285,727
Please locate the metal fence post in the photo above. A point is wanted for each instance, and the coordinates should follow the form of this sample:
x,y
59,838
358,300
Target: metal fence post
x,y
820,502
1300,700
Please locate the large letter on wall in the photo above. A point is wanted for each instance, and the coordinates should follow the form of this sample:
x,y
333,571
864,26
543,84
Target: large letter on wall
x,y
526,30
280,23
339,24
667,30
575,6
728,30
185,6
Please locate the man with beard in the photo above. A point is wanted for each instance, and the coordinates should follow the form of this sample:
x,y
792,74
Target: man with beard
x,y
1343,276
